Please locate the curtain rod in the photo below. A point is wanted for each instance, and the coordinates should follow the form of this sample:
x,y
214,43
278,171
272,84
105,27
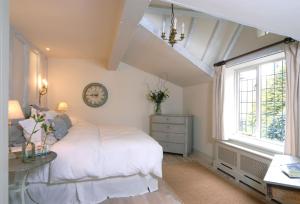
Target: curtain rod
x,y
286,41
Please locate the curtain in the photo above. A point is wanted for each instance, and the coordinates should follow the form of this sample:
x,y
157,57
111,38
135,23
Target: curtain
x,y
292,54
218,103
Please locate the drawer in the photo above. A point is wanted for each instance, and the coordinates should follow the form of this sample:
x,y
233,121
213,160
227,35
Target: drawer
x,y
285,194
168,137
171,128
172,147
168,119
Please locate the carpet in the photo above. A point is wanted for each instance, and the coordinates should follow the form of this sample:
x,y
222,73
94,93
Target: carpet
x,y
195,184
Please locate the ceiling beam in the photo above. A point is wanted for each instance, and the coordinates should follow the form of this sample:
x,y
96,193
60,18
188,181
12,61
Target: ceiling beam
x,y
219,39
212,39
190,32
233,41
132,13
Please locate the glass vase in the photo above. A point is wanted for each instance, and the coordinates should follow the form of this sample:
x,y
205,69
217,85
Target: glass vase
x,y
157,109
45,150
28,152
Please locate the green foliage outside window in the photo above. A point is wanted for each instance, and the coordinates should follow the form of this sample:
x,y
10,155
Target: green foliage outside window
x,y
272,96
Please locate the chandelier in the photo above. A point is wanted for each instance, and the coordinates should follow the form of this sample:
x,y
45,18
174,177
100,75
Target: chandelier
x,y
173,32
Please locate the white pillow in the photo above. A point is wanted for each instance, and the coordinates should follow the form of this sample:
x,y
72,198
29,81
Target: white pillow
x,y
33,111
50,115
50,139
28,126
74,120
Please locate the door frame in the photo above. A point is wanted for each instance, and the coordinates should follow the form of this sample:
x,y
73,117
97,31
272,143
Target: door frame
x,y
4,77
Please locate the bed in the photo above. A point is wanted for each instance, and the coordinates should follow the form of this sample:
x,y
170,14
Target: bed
x,y
95,163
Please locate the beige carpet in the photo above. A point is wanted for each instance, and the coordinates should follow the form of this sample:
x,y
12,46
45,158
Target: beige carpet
x,y
163,196
194,184
187,182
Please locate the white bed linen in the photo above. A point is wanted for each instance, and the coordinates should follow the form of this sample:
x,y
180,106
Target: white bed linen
x,y
88,192
88,151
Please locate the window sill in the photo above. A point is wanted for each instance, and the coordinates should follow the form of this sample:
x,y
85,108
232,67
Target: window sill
x,y
246,148
260,144
263,149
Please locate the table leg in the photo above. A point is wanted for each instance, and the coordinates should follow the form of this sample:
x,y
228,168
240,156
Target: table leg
x,y
269,195
23,189
26,190
18,184
31,197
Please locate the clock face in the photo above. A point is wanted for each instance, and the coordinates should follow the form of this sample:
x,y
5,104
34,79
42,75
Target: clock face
x,y
95,95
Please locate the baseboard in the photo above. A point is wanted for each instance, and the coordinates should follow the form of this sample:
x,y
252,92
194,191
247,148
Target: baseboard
x,y
202,158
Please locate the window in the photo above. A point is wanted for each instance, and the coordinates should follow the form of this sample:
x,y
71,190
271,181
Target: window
x,y
261,100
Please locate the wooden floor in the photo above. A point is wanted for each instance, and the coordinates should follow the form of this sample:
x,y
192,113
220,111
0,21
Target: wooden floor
x,y
186,181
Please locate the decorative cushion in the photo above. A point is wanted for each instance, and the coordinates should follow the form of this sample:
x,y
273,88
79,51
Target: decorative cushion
x,y
60,128
28,126
67,120
27,111
33,109
16,135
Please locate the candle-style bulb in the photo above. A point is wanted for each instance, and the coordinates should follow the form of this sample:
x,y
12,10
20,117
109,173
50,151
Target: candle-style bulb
x,y
163,26
45,83
182,28
175,23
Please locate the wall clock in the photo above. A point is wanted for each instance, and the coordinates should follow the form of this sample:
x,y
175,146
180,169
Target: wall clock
x,y
95,95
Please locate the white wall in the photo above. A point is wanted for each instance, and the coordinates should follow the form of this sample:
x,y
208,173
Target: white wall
x,y
26,64
198,102
127,87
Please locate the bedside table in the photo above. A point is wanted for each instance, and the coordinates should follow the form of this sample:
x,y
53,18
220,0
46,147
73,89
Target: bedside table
x,y
19,171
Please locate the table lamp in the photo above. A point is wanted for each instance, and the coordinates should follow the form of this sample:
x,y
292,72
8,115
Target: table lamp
x,y
14,111
62,107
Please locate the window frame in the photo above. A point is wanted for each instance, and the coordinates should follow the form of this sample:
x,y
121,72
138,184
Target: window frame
x,y
256,137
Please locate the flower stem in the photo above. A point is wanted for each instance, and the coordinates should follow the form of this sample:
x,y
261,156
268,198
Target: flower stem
x,y
29,140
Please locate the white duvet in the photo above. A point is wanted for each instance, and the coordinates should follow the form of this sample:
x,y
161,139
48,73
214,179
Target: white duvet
x,y
91,152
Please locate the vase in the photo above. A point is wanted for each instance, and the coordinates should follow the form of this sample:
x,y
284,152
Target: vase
x,y
28,152
157,109
45,150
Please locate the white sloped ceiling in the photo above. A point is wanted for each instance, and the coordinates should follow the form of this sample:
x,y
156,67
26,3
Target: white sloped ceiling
x,y
276,16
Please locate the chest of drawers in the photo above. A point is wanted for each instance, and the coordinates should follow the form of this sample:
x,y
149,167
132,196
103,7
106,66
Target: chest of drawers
x,y
173,132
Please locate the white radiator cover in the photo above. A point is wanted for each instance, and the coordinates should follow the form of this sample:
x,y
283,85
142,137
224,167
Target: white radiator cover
x,y
243,166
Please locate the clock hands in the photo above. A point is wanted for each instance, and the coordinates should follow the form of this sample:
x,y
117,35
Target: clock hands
x,y
93,95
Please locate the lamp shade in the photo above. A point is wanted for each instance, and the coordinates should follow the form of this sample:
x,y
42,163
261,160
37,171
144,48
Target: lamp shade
x,y
14,110
62,107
